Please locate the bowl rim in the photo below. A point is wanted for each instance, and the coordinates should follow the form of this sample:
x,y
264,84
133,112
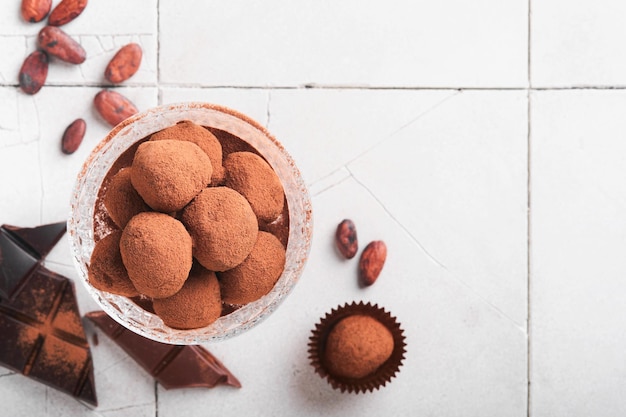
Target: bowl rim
x,y
117,306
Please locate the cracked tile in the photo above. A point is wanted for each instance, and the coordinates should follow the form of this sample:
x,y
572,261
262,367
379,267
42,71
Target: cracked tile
x,y
98,56
578,232
331,180
16,388
58,170
124,387
459,189
462,359
278,43
101,38
21,199
17,125
13,50
111,17
325,129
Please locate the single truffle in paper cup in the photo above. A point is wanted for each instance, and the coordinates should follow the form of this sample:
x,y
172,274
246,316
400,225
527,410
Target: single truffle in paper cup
x,y
357,347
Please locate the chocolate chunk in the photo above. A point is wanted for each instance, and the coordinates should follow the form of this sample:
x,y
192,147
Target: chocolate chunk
x,y
173,366
42,334
21,250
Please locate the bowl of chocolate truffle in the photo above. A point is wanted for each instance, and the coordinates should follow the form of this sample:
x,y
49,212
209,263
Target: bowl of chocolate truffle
x,y
189,223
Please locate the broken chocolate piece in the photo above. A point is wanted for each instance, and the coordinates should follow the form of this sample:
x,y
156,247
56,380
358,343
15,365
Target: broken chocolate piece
x,y
43,337
173,366
21,250
42,334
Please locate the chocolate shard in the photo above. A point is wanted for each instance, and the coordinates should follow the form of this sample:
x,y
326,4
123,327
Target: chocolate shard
x,y
21,250
40,239
173,366
43,337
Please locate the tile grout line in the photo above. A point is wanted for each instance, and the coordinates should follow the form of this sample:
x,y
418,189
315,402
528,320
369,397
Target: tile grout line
x,y
160,85
528,214
156,399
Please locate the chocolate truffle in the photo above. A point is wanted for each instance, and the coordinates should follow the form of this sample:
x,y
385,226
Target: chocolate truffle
x,y
357,346
223,227
156,251
106,270
122,200
257,274
250,175
168,174
197,304
189,131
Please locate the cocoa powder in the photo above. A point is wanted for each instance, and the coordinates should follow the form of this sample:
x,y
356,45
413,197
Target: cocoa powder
x,y
156,251
102,222
357,346
104,225
257,274
191,132
122,200
168,174
106,269
223,227
197,304
251,176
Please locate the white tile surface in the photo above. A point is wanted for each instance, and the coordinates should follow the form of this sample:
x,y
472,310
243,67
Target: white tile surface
x,y
579,238
61,170
459,190
578,44
325,129
251,102
408,43
415,124
470,359
112,17
101,38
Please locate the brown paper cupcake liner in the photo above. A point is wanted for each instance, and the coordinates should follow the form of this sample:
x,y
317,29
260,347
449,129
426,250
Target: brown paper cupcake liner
x,y
375,380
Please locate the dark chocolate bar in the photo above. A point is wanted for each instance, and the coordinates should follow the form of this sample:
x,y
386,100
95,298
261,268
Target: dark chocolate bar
x,y
173,366
42,334
22,249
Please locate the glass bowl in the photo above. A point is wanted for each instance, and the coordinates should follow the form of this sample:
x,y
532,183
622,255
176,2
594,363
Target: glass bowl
x,y
139,126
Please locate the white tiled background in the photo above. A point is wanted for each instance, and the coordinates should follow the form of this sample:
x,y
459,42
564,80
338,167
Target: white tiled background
x,y
484,141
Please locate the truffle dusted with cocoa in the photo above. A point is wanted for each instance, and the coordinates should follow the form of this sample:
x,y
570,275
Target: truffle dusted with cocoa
x,y
250,175
257,274
156,251
106,269
121,199
223,227
168,174
197,304
357,346
191,132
